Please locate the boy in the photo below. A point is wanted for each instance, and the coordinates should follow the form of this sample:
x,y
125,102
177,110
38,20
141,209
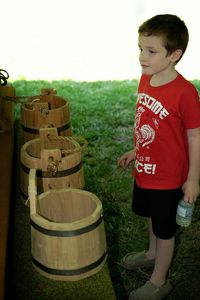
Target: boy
x,y
167,147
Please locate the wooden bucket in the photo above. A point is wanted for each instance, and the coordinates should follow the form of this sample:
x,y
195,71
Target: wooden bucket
x,y
68,239
47,110
57,160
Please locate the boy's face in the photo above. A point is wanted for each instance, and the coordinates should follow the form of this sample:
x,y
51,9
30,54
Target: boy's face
x,y
153,55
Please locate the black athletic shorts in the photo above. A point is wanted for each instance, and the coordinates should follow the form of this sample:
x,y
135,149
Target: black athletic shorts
x,y
160,206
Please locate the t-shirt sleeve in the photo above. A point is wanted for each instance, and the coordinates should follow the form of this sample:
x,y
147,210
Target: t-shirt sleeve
x,y
190,108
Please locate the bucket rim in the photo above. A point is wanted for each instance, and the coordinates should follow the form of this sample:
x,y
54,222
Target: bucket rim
x,y
24,155
49,224
64,102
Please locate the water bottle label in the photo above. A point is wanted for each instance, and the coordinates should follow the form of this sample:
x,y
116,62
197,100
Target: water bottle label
x,y
184,212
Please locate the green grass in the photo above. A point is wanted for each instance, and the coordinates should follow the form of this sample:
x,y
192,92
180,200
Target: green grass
x,y
103,113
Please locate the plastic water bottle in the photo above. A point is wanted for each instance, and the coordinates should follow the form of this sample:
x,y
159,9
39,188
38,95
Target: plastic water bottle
x,y
184,213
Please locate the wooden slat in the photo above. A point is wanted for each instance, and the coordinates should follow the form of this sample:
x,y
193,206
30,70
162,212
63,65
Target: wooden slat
x,y
7,107
6,157
6,160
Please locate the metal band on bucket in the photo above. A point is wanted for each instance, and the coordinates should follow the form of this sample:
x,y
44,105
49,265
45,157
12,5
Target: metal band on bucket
x,y
67,233
62,173
36,130
70,272
23,195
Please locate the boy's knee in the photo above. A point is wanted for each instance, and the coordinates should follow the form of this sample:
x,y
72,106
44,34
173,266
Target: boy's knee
x,y
164,231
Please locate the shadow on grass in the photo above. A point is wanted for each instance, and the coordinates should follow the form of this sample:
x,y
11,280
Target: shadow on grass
x,y
112,227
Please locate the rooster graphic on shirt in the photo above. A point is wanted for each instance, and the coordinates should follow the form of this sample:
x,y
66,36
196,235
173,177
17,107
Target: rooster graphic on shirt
x,y
145,134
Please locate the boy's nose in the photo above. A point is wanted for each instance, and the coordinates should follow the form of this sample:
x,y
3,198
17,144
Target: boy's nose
x,y
142,56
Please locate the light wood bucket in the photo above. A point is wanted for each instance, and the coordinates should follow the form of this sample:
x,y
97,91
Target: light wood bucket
x,y
58,161
68,239
46,110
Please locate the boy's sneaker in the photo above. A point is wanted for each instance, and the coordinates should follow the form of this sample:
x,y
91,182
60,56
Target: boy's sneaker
x,y
149,291
134,260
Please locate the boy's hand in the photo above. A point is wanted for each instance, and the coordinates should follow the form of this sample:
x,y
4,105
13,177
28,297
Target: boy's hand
x,y
126,159
191,185
191,190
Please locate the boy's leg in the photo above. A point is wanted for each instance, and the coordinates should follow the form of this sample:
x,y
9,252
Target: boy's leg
x,y
164,254
157,287
151,253
161,243
162,250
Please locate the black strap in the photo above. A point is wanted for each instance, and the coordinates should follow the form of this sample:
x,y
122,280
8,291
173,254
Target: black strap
x,y
70,272
62,173
67,233
36,130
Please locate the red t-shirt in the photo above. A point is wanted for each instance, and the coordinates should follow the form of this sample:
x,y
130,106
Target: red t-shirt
x,y
163,115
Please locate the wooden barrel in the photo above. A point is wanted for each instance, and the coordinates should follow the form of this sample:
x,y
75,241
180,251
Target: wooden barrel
x,y
68,239
47,110
57,160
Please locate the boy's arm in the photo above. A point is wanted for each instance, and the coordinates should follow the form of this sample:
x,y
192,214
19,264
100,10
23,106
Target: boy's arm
x,y
126,159
191,186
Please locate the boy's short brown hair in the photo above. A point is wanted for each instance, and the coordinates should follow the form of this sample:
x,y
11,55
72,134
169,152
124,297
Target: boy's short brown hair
x,y
171,28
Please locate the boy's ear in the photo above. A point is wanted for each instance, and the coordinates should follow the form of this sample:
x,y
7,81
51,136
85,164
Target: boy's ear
x,y
176,55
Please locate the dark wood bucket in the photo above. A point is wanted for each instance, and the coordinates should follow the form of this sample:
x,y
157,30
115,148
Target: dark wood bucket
x,y
6,108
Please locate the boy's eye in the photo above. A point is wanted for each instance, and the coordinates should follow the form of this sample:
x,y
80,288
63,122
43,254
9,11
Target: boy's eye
x,y
152,51
147,50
